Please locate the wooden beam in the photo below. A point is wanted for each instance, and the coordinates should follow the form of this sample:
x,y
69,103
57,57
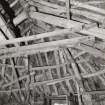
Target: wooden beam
x,y
93,74
95,31
91,50
95,2
21,17
61,22
51,82
47,46
60,12
101,92
2,37
89,7
9,34
86,6
54,9
38,36
5,29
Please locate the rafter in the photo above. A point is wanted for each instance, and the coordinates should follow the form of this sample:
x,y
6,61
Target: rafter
x,y
54,9
38,36
90,49
61,22
86,6
47,46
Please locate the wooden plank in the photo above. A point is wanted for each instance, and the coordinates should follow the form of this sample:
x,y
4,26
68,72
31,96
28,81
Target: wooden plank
x,y
93,74
51,82
95,2
87,6
91,50
35,37
21,17
4,28
101,92
97,32
61,22
54,9
59,12
40,47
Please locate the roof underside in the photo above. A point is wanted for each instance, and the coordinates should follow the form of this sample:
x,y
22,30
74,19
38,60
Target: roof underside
x,y
52,48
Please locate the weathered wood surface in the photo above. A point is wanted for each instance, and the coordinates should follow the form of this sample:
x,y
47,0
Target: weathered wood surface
x,y
51,69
